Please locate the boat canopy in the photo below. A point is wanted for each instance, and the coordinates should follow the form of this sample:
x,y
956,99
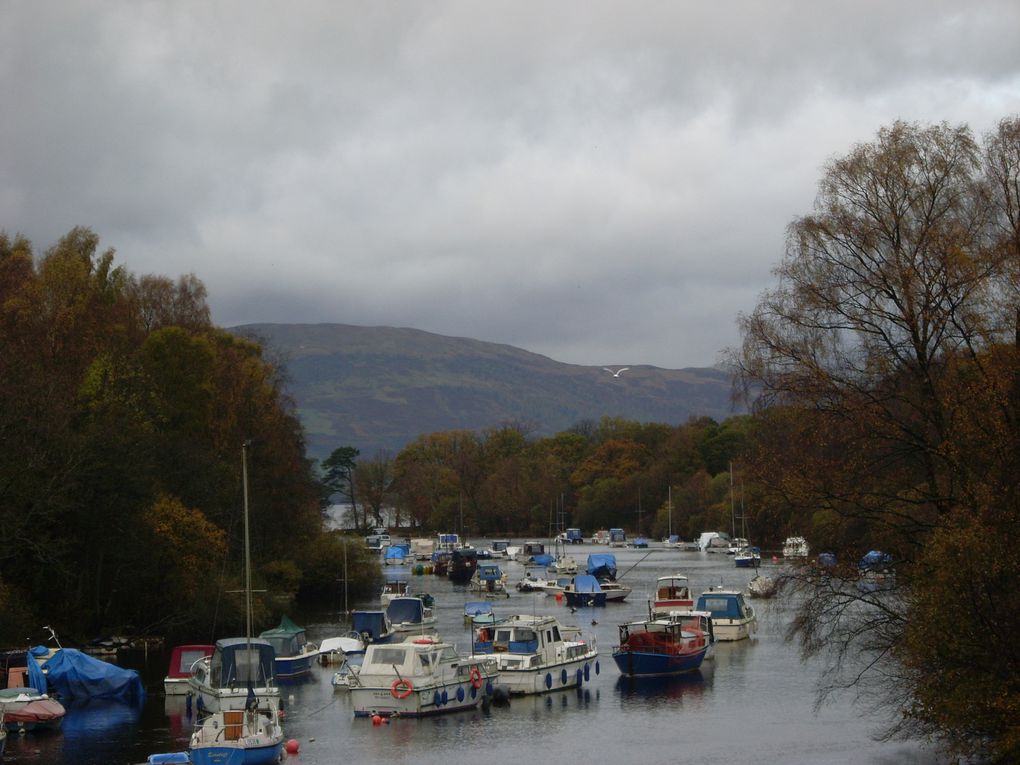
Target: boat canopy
x,y
602,566
617,535
722,605
489,572
586,583
286,639
372,622
406,611
73,674
183,658
235,665
574,535
542,559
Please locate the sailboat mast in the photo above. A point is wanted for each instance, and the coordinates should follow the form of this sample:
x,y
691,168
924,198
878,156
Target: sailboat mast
x,y
669,510
733,519
247,544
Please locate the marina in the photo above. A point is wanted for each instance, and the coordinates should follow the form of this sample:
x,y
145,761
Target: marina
x,y
756,687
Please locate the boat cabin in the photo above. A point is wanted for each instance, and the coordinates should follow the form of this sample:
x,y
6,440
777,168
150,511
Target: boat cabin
x,y
413,658
408,611
287,639
448,542
724,604
534,639
183,658
238,661
373,626
617,537
574,537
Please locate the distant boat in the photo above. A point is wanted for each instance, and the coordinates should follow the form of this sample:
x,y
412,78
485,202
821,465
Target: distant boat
x,y
410,614
488,579
394,588
747,557
372,626
795,547
463,562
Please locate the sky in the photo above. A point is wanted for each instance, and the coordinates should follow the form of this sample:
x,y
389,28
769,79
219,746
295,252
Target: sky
x,y
604,183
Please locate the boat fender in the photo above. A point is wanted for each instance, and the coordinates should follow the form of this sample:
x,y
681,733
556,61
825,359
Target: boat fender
x,y
596,668
476,678
563,677
587,671
460,694
548,680
401,688
580,677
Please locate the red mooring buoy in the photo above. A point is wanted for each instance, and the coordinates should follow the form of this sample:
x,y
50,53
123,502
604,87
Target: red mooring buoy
x,y
292,746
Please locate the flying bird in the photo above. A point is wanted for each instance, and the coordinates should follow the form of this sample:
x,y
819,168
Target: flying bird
x,y
617,372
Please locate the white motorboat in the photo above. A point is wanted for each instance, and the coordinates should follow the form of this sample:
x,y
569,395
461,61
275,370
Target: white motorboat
x,y
419,677
536,654
732,617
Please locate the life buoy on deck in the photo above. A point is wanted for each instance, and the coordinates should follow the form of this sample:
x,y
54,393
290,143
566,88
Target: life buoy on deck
x,y
401,688
476,677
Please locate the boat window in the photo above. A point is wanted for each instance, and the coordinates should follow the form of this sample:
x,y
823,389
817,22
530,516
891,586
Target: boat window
x,y
388,656
556,633
502,636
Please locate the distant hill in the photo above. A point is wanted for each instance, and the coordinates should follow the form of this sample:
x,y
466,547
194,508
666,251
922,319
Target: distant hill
x,y
380,387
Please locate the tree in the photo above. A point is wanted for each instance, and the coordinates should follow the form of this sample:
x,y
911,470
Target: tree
x,y
872,355
338,477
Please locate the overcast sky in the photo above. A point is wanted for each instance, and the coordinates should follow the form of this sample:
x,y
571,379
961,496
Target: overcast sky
x,y
603,183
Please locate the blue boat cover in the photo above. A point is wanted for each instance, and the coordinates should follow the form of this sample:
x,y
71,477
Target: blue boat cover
x,y
397,552
876,560
36,677
73,674
372,622
602,565
542,559
574,535
236,665
406,611
722,605
617,535
586,583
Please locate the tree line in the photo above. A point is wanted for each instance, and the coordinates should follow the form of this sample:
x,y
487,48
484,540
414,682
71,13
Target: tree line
x,y
122,415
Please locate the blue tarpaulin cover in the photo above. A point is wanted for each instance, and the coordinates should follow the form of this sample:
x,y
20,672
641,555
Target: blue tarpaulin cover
x,y
73,674
602,565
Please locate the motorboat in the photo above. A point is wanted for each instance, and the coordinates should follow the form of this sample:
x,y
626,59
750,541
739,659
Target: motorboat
x,y
584,590
615,591
463,563
28,709
336,650
479,612
393,588
372,626
762,587
498,549
660,647
795,547
617,538
536,654
602,566
250,736
532,553
672,593
397,554
182,660
293,653
747,557
220,681
410,614
732,617
488,579
419,677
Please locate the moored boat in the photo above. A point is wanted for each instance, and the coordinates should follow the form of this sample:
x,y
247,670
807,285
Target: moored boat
x,y
795,547
660,647
410,614
27,709
732,617
584,590
251,736
419,677
672,593
182,661
747,557
536,654
393,588
293,653
488,579
372,626
220,681
463,563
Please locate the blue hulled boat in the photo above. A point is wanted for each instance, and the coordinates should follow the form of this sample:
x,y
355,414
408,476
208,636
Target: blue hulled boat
x,y
585,590
660,647
294,654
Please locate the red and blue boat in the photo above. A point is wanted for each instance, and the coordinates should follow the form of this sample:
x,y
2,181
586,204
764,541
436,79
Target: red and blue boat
x,y
661,647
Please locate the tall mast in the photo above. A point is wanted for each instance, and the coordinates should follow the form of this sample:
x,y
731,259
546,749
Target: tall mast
x,y
247,543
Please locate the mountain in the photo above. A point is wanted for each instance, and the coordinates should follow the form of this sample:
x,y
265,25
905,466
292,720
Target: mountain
x,y
379,387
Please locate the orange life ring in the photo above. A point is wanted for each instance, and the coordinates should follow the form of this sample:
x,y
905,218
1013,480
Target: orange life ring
x,y
401,688
476,678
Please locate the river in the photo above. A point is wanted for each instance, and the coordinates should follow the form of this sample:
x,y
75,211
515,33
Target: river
x,y
754,702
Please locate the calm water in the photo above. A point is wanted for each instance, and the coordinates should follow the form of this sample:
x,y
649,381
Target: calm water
x,y
752,703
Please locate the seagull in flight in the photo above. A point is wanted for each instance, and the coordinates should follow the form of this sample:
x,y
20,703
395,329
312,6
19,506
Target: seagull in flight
x,y
617,372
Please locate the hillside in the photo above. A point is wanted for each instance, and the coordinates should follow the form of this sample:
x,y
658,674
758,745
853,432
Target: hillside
x,y
379,387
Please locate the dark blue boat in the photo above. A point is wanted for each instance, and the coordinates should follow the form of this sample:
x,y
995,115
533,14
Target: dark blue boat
x,y
585,590
660,647
463,563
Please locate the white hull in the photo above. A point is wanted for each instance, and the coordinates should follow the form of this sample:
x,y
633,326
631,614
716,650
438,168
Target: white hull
x,y
550,677
734,629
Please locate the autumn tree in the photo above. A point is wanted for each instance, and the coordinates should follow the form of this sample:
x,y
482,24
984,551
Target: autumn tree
x,y
901,279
